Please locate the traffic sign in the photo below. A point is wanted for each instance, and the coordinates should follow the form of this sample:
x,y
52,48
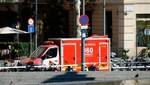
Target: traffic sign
x,y
83,33
84,27
84,20
30,21
30,28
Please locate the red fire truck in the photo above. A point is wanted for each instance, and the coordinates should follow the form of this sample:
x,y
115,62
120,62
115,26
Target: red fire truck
x,y
65,53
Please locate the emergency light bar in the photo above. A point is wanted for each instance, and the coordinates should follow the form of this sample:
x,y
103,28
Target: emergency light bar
x,y
48,42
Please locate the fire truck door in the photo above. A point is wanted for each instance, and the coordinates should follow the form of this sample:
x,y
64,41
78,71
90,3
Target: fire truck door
x,y
69,54
104,55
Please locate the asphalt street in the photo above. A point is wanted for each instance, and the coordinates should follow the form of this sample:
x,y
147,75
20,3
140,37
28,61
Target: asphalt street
x,y
50,78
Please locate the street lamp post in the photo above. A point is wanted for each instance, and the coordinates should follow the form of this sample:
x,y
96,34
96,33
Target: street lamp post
x,y
36,31
104,16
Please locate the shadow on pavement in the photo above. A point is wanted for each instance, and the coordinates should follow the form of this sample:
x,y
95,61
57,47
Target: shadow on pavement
x,y
69,77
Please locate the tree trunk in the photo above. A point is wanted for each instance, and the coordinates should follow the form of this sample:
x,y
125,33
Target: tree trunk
x,y
77,15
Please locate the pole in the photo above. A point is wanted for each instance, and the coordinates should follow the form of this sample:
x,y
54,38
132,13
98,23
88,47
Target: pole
x,y
104,16
83,36
83,48
83,6
36,31
30,43
136,43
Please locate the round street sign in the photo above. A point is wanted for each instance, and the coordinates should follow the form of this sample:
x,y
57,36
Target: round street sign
x,y
30,21
84,20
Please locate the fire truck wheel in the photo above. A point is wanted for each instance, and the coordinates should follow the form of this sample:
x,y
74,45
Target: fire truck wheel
x,y
55,69
29,67
12,70
92,68
69,68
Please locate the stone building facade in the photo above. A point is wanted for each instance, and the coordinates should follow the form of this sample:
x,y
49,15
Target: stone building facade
x,y
121,22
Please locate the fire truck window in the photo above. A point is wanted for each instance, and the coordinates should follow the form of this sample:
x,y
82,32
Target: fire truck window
x,y
52,52
38,52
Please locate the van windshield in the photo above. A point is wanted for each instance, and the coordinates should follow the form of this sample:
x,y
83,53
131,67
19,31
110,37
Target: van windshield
x,y
38,52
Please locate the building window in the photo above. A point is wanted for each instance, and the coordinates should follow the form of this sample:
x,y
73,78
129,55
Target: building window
x,y
143,29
